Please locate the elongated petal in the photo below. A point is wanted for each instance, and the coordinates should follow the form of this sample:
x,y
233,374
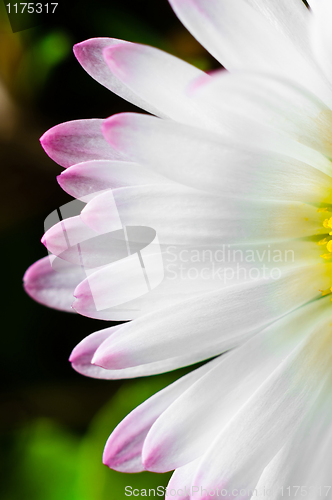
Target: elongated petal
x,y
322,36
86,180
83,353
90,55
215,163
181,482
106,287
157,77
304,463
242,37
313,4
76,141
124,446
77,243
258,431
189,272
53,286
273,102
291,17
187,216
186,429
230,122
163,334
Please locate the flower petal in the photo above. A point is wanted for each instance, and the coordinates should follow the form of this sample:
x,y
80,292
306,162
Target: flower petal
x,y
215,163
289,16
244,35
322,36
186,216
76,141
181,482
157,336
124,446
83,354
258,431
188,272
157,77
185,430
79,244
313,3
305,460
271,101
86,180
53,285
90,55
109,285
228,122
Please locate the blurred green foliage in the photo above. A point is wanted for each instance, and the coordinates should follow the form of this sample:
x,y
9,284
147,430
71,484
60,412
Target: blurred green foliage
x,y
46,458
97,482
37,62
55,463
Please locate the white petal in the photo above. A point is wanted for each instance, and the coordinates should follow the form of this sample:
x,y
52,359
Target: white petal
x,y
83,353
53,285
124,446
235,127
65,234
243,37
188,272
90,55
157,77
123,281
215,163
187,216
86,180
322,36
105,288
76,141
181,482
177,331
273,102
306,459
289,16
257,432
77,243
313,4
186,428
81,356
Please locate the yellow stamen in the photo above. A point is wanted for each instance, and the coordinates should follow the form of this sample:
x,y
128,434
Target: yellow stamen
x,y
327,256
328,223
328,242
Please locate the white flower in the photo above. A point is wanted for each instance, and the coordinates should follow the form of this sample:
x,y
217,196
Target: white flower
x,y
232,162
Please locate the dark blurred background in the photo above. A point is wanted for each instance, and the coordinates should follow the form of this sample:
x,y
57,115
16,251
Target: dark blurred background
x,y
54,422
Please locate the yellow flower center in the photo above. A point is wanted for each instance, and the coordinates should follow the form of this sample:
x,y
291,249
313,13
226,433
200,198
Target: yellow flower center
x,y
328,242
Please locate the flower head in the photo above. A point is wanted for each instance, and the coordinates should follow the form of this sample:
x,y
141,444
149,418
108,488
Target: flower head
x,y
208,225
